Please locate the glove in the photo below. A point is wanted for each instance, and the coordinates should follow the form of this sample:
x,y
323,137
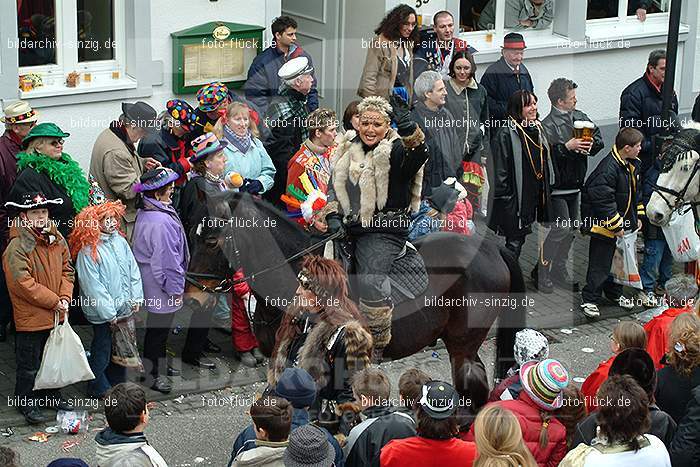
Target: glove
x,y
253,187
335,224
401,115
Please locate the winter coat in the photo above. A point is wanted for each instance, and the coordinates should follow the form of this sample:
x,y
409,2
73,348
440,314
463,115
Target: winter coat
x,y
387,178
649,179
460,219
508,160
117,168
657,334
640,108
286,119
651,454
610,200
469,107
170,151
685,447
112,445
662,426
531,423
254,164
160,249
570,167
10,145
517,10
194,201
264,454
594,381
112,284
501,82
331,355
246,439
417,451
674,391
263,83
381,67
38,274
442,138
380,425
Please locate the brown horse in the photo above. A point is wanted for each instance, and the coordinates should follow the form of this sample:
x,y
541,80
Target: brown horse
x,y
471,280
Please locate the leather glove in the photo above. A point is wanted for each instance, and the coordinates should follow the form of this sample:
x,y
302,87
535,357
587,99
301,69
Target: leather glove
x,y
335,224
401,115
253,187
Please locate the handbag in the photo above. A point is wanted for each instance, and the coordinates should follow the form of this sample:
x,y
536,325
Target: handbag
x,y
681,237
125,350
64,361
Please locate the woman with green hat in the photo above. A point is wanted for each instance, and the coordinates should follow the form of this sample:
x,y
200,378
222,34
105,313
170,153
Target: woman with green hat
x,y
44,167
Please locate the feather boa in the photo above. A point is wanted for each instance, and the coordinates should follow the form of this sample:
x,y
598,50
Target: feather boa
x,y
64,172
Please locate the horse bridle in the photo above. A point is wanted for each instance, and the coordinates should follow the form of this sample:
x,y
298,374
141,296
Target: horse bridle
x,y
679,195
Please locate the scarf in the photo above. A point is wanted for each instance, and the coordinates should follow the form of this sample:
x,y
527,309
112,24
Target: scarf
x,y
242,143
64,172
118,129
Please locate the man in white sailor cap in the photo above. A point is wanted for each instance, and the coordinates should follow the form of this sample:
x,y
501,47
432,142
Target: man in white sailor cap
x,y
286,121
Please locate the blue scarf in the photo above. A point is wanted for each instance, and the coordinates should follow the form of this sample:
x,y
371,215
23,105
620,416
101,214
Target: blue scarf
x,y
242,143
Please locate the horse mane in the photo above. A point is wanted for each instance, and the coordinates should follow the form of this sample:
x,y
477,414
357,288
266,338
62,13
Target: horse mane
x,y
683,143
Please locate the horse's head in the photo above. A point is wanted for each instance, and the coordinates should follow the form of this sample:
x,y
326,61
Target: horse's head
x,y
679,181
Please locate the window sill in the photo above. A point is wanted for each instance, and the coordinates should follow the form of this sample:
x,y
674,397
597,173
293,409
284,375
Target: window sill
x,y
98,84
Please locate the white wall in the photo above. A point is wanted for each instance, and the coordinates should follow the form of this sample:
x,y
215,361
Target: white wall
x,y
86,121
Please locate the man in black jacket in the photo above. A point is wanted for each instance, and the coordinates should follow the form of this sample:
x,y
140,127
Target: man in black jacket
x,y
570,160
610,206
685,447
503,78
381,424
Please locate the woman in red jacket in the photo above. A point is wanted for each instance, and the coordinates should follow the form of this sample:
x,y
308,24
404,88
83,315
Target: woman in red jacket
x,y
543,384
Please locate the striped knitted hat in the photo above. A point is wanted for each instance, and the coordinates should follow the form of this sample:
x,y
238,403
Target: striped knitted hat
x,y
544,382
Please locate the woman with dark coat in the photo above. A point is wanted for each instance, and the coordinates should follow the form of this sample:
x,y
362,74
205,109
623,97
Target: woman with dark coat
x,y
520,174
44,167
323,332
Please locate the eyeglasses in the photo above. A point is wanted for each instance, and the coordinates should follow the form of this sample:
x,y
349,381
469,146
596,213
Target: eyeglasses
x,y
57,143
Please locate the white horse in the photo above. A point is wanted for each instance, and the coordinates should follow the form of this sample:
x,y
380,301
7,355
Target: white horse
x,y
679,181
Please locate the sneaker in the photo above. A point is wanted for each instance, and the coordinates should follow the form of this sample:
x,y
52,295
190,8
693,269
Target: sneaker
x,y
590,310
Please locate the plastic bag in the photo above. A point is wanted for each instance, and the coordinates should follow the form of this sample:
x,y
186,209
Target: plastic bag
x,y
64,361
681,237
125,351
72,422
624,267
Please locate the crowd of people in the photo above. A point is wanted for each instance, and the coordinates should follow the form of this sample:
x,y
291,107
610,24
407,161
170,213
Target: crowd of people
x,y
413,156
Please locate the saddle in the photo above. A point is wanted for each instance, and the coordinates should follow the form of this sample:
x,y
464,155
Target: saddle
x,y
408,275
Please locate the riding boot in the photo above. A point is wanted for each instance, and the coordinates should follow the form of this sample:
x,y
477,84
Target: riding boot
x,y
378,315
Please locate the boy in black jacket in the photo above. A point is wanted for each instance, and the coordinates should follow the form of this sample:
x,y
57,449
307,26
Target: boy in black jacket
x,y
610,205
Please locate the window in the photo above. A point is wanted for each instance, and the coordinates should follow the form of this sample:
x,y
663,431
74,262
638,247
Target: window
x,y
57,38
599,9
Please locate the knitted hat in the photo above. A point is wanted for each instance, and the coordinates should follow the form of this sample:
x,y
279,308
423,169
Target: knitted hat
x,y
530,345
544,382
639,365
182,112
19,112
33,200
211,96
308,447
297,386
47,130
513,40
155,178
206,145
439,399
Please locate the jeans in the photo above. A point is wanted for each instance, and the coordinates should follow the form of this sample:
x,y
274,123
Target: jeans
x,y
565,212
657,260
107,374
598,277
29,349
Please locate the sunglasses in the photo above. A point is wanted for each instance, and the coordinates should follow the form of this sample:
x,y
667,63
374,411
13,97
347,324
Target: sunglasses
x,y
57,143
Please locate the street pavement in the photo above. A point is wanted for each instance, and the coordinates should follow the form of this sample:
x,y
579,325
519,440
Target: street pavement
x,y
197,423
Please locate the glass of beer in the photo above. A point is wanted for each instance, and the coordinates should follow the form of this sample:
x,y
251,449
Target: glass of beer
x,y
583,130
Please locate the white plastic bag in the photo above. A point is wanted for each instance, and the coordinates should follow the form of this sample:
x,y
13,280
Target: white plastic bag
x,y
64,361
624,267
681,237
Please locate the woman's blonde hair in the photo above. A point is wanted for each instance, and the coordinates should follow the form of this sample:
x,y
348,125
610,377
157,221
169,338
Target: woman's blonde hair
x,y
235,108
34,143
499,439
684,343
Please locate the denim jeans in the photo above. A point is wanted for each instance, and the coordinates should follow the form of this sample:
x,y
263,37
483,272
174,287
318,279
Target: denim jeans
x,y
107,374
658,261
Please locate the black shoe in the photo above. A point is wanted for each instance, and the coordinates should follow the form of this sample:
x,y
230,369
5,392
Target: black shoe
x,y
561,279
541,280
248,360
3,333
211,347
162,384
33,416
173,371
259,357
201,362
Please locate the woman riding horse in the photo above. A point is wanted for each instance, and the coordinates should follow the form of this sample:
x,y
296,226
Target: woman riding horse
x,y
376,181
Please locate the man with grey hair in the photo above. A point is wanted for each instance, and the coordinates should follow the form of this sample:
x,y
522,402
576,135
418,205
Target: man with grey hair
x,y
440,129
286,120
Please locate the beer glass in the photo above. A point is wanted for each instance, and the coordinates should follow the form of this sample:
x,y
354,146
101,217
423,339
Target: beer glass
x,y
584,130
